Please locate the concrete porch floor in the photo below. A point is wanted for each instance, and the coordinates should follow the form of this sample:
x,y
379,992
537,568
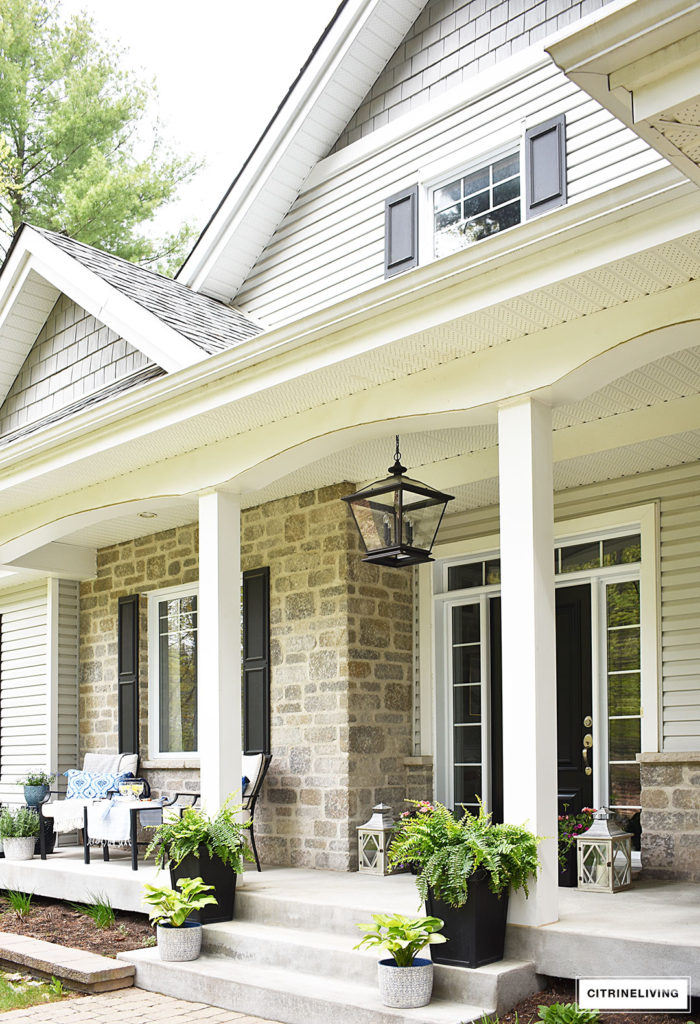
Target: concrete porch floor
x,y
653,925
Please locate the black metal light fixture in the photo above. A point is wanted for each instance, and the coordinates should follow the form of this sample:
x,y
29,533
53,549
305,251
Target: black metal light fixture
x,y
398,518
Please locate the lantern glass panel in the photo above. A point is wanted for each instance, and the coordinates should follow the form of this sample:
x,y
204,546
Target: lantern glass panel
x,y
376,521
421,518
621,865
594,865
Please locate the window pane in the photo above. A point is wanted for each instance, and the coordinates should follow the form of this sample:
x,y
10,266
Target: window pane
x,y
177,674
476,204
443,197
467,744
466,624
625,789
476,181
623,603
576,557
459,577
506,216
621,550
467,785
508,190
624,694
452,215
466,664
625,738
467,704
506,167
493,571
623,649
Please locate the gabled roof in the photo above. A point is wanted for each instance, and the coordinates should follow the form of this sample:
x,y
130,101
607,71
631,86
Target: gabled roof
x,y
207,323
360,39
173,326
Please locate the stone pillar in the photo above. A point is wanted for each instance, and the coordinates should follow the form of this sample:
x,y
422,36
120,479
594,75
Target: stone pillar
x,y
529,659
671,815
219,648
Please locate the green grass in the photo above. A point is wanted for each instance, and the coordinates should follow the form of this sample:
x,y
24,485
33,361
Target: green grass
x,y
20,902
100,910
18,991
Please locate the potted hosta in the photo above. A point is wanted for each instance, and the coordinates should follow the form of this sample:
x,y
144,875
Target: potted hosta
x,y
466,868
19,830
211,848
36,787
179,938
571,826
405,979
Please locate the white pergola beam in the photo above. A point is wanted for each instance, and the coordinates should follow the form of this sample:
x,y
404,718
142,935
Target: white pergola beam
x,y
529,658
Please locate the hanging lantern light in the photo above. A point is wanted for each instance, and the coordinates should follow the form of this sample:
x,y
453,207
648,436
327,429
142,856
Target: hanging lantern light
x,y
604,856
373,841
398,518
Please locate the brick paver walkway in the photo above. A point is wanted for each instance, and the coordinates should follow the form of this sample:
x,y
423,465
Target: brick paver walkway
x,y
128,1006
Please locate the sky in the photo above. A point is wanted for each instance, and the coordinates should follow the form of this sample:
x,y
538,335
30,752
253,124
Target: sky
x,y
221,68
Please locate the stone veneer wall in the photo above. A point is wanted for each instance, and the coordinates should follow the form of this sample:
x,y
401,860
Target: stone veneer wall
x,y
671,815
341,672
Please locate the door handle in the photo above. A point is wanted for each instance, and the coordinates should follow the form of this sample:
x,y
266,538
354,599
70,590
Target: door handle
x,y
587,744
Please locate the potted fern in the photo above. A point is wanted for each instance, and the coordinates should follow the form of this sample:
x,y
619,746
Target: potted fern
x,y
211,848
179,938
466,868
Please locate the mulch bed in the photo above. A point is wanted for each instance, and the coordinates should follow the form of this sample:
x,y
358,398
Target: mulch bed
x,y
561,990
58,922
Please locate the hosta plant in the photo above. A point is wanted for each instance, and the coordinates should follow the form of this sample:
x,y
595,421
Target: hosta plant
x,y
173,906
567,1013
404,937
448,850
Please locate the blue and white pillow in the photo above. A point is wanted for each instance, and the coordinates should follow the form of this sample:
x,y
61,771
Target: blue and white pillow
x,y
93,785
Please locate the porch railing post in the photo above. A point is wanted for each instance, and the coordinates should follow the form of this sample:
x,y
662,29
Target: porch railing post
x,y
529,653
219,648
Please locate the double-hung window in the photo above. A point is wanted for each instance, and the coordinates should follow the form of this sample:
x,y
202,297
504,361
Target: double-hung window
x,y
476,204
172,670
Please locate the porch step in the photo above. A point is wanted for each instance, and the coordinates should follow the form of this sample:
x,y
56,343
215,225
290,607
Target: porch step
x,y
290,995
84,972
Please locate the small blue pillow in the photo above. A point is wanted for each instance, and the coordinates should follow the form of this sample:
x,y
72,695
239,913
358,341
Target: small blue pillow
x,y
244,783
93,785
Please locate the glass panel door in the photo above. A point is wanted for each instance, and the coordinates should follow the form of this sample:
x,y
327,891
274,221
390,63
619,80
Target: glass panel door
x,y
623,667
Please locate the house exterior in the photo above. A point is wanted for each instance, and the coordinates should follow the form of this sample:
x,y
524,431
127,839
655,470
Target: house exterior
x,y
475,225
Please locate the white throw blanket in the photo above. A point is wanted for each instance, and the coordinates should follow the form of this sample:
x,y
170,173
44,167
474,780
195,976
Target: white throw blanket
x,y
67,814
109,821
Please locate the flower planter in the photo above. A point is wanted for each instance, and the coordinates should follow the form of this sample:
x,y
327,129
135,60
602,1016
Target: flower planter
x,y
183,943
476,932
33,795
405,987
568,875
214,872
18,847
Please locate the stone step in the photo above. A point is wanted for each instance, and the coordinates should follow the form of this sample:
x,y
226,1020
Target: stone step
x,y
291,995
330,955
82,971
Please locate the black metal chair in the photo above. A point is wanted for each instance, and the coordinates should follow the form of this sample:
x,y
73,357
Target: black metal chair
x,y
252,792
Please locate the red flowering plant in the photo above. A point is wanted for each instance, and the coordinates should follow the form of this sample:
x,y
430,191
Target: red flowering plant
x,y
571,826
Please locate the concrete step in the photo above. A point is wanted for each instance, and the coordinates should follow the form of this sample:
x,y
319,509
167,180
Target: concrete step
x,y
291,995
331,955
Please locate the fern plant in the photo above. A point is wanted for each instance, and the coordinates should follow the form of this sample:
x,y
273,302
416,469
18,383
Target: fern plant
x,y
447,851
222,835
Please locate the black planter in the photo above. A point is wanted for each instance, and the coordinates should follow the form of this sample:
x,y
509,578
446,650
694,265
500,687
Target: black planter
x,y
476,932
214,872
568,875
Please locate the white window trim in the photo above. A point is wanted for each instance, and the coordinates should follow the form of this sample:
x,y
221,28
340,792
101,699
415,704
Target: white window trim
x,y
442,173
642,519
154,751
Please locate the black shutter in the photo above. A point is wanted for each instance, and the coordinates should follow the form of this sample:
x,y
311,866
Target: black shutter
x,y
545,166
128,674
256,661
401,232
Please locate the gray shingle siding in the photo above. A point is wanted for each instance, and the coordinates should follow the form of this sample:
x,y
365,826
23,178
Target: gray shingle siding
x,y
75,361
450,41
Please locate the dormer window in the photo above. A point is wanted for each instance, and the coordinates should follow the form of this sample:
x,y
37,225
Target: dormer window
x,y
476,205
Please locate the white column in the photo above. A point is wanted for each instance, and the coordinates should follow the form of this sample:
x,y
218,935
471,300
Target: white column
x,y
529,658
219,648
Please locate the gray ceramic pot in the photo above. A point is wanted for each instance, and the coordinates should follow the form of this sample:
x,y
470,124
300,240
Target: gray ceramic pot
x,y
19,847
33,795
183,943
405,986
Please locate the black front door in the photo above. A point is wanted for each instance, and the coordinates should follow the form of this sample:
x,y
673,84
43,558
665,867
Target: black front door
x,y
574,700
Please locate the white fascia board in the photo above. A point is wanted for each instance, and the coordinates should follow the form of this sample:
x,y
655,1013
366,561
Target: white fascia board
x,y
570,240
127,318
311,93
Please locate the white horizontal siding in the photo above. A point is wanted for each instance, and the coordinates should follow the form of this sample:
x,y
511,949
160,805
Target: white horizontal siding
x,y
676,490
331,243
23,685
